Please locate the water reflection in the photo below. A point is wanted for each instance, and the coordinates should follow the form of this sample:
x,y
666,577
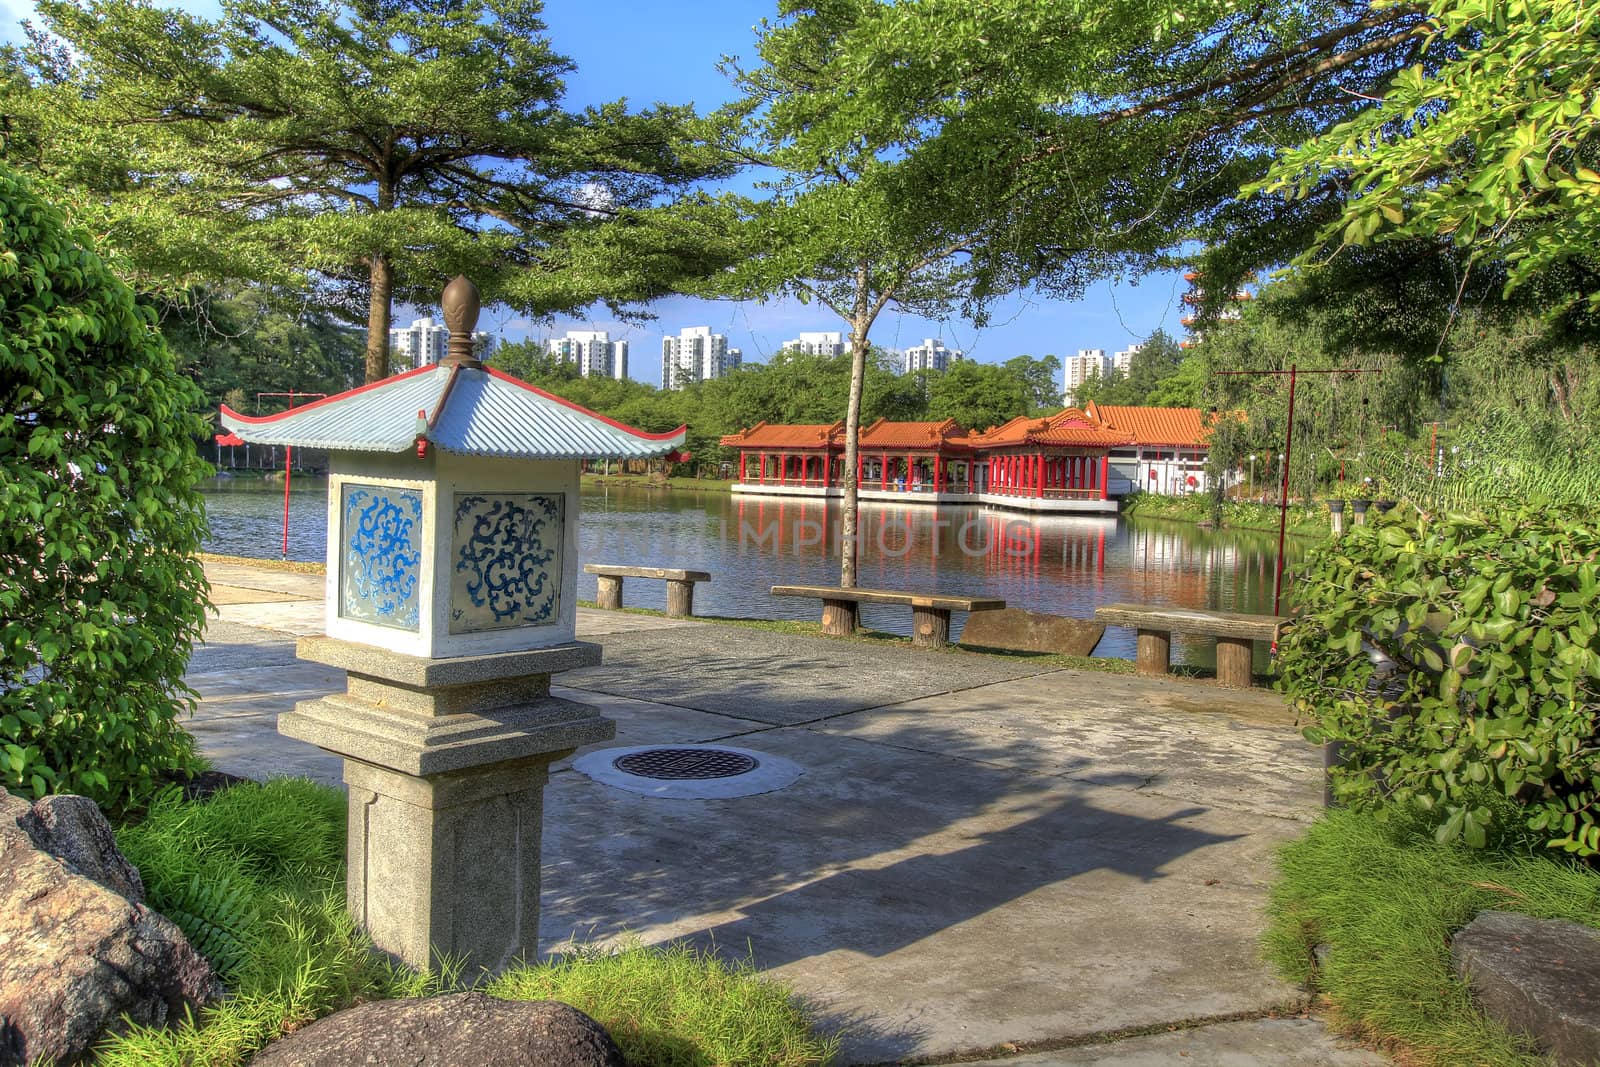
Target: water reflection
x,y
1060,564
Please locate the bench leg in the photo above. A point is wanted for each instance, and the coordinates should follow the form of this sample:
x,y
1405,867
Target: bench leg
x,y
1233,661
930,627
839,617
1154,656
680,599
609,594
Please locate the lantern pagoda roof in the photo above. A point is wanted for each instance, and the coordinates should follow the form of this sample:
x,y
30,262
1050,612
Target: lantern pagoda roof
x,y
469,410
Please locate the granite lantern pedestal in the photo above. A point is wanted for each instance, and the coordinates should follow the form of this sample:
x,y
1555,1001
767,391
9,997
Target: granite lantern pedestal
x,y
452,562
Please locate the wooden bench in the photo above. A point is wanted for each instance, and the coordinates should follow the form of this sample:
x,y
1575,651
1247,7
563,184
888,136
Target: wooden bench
x,y
680,585
1236,636
930,612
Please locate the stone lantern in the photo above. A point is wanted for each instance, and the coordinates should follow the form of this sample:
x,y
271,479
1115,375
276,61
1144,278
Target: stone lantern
x,y
451,600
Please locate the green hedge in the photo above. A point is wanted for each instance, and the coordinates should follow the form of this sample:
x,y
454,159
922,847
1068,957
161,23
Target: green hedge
x,y
101,594
1489,703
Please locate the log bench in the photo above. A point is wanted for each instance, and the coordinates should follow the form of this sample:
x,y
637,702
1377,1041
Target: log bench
x,y
930,612
680,585
1236,636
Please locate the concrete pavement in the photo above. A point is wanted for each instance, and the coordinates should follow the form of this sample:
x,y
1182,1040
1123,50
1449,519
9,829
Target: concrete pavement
x,y
982,853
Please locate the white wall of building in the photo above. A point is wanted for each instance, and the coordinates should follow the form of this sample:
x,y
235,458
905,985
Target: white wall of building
x,y
426,341
696,355
825,343
1075,370
930,355
593,351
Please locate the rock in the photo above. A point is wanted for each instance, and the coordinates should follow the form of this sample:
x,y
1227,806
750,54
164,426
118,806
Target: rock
x,y
1017,630
445,1031
75,956
1538,977
73,830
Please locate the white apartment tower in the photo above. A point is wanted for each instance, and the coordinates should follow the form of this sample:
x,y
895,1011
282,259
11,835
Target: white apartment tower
x,y
1123,361
1075,370
829,343
930,355
426,341
595,353
696,355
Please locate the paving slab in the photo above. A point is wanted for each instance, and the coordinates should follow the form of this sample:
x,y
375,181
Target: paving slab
x,y
1169,737
1246,1043
779,678
266,578
978,851
933,904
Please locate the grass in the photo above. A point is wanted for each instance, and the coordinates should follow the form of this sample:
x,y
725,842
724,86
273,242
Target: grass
x,y
1385,899
655,481
1304,521
255,875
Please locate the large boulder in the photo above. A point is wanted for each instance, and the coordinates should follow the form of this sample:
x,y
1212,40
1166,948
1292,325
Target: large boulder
x,y
1537,977
447,1031
76,955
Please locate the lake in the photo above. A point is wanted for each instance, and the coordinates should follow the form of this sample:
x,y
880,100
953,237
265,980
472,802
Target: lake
x,y
1057,564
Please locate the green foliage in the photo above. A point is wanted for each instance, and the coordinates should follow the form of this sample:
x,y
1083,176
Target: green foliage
x,y
103,594
360,152
1489,138
1492,626
1305,520
677,1007
252,343
254,878
1385,899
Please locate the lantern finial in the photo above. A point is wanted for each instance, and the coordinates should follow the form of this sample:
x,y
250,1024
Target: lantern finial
x,y
460,306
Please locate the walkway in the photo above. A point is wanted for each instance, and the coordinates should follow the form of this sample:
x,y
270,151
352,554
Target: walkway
x,y
982,856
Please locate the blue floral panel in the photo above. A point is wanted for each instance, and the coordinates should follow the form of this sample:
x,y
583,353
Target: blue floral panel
x,y
507,552
380,564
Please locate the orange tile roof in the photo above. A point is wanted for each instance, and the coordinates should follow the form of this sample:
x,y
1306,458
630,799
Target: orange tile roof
x,y
1069,428
765,435
1154,426
885,434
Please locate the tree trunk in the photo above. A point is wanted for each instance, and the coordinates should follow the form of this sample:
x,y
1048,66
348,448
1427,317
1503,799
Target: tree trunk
x,y
848,517
378,312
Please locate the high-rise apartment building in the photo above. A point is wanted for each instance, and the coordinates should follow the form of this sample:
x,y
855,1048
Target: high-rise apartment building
x,y
426,341
595,353
829,343
1123,361
930,355
1075,370
696,355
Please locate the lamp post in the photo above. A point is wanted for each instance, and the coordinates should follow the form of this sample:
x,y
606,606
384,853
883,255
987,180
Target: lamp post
x,y
1283,458
1252,475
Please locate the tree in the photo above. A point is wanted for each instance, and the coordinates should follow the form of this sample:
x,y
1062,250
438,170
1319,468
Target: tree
x,y
101,590
1108,138
852,223
374,149
1492,144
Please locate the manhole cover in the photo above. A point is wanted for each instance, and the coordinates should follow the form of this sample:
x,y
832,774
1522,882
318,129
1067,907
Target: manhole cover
x,y
676,764
688,772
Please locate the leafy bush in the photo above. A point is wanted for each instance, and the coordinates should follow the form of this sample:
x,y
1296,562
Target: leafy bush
x,y
1456,657
101,595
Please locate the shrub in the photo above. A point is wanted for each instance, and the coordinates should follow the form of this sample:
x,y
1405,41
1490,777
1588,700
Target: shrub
x,y
101,595
1457,656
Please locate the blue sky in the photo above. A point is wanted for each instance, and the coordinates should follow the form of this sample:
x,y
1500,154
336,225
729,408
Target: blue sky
x,y
652,52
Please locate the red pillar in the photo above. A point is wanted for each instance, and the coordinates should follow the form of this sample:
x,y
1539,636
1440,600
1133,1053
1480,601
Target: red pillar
x,y
783,467
1105,476
1038,476
827,470
744,464
883,473
938,472
763,468
859,458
